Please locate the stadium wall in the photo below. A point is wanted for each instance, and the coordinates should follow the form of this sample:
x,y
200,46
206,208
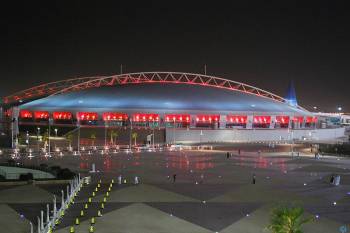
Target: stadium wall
x,y
255,135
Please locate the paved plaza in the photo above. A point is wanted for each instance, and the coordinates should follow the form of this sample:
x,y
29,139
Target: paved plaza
x,y
212,193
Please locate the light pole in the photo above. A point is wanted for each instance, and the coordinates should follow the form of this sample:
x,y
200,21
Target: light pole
x,y
106,125
37,138
153,133
27,138
174,131
50,120
38,133
78,136
130,136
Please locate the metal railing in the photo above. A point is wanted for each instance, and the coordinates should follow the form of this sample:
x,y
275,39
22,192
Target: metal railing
x,y
57,214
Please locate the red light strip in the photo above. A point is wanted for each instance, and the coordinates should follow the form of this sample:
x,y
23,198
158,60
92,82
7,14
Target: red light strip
x,y
238,119
311,119
207,118
262,119
25,114
62,115
177,118
41,115
145,117
87,116
282,119
114,116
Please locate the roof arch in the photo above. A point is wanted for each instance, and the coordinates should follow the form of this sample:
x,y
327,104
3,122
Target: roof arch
x,y
77,84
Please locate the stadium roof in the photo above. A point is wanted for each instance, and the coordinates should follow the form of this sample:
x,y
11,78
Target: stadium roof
x,y
153,90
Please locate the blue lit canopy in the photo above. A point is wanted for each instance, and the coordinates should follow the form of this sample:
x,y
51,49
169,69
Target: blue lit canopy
x,y
166,97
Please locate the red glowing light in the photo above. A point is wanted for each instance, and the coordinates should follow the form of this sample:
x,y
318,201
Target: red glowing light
x,y
237,119
62,115
87,116
144,117
25,114
114,116
41,115
207,118
282,119
311,119
262,119
177,117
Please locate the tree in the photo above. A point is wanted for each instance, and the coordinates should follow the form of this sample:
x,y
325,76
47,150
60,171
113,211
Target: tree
x,y
134,136
287,220
46,138
69,137
113,134
93,138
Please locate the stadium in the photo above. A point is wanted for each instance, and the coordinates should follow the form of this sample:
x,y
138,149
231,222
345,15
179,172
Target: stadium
x,y
172,107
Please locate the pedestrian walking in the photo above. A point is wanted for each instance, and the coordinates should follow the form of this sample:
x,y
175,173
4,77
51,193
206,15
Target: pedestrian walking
x,y
332,179
254,179
174,178
227,155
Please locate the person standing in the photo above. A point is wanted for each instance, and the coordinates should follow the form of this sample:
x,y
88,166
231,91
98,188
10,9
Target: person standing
x,y
227,155
174,178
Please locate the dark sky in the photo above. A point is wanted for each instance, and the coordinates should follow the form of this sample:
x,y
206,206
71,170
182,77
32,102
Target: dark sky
x,y
262,43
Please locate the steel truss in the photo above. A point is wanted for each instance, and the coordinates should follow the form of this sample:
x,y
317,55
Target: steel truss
x,y
77,84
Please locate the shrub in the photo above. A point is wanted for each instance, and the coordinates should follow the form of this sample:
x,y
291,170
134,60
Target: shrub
x,y
287,220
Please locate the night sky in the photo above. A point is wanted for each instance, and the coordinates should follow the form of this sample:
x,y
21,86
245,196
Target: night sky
x,y
262,43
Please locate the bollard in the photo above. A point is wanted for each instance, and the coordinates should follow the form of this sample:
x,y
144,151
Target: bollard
x,y
92,220
90,199
112,181
77,222
100,181
81,213
102,205
86,206
96,189
57,222
111,185
99,214
109,189
71,230
91,229
98,185
104,199
93,194
107,194
124,181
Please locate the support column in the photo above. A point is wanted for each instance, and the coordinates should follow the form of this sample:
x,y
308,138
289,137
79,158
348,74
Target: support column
x,y
272,122
249,121
193,121
222,122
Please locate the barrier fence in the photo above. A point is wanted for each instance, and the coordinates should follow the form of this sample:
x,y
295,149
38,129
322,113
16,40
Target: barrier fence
x,y
47,226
